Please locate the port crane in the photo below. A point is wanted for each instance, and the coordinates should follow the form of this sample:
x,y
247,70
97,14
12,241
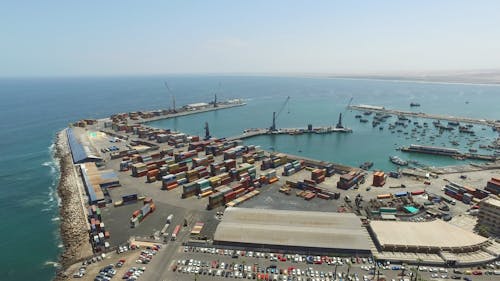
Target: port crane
x,y
277,114
339,123
173,97
215,95
207,132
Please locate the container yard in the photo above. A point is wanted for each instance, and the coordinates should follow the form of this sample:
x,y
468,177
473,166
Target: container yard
x,y
169,187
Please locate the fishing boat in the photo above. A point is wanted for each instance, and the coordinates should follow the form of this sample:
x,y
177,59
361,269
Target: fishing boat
x,y
398,161
414,104
366,165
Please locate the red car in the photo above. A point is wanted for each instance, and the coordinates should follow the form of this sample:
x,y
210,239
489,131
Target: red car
x,y
477,272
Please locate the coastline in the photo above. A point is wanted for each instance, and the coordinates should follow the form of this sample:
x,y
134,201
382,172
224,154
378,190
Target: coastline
x,y
73,227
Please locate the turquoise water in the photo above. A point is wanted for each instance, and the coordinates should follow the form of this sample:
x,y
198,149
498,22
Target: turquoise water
x,y
33,110
319,102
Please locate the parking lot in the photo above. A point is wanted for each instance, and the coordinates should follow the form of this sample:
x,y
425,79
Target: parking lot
x,y
214,264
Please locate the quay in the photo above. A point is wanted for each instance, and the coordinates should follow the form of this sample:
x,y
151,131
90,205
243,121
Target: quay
x,y
444,151
249,133
143,117
188,110
370,108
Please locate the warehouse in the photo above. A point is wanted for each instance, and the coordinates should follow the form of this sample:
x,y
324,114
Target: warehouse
x,y
79,152
293,231
96,181
433,242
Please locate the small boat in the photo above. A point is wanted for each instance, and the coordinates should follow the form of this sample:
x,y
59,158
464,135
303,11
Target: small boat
x,y
363,120
414,104
366,165
398,161
367,113
473,150
358,116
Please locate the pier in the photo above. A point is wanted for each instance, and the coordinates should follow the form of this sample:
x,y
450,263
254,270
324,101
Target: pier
x,y
450,152
190,111
249,133
369,108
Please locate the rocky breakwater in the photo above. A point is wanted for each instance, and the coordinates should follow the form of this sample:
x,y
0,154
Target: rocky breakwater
x,y
73,227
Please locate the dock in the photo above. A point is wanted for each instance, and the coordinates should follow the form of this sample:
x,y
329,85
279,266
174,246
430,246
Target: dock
x,y
370,108
184,112
443,151
249,133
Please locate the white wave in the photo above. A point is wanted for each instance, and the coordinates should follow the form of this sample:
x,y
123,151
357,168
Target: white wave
x,y
60,246
56,219
53,164
52,263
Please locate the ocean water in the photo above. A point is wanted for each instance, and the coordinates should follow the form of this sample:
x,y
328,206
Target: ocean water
x,y
33,110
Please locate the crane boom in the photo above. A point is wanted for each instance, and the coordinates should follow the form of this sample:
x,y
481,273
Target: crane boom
x,y
173,97
277,114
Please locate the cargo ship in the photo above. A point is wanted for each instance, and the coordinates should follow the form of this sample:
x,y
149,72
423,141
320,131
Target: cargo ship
x,y
398,161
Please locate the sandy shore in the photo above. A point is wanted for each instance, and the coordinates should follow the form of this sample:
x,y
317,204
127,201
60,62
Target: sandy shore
x,y
73,226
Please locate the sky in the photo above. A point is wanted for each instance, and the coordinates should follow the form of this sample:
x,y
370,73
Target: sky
x,y
81,38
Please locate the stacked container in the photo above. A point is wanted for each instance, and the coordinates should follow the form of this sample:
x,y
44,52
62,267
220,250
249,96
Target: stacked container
x,y
139,169
169,182
292,168
349,180
318,175
378,179
184,156
493,186
139,215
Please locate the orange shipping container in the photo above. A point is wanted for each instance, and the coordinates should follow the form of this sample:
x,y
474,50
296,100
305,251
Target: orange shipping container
x,y
172,186
273,180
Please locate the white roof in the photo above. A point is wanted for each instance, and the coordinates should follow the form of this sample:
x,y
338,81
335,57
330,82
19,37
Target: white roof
x,y
293,228
435,233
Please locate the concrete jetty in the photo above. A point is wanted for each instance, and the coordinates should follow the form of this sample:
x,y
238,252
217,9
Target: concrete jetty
x,y
184,112
289,131
381,109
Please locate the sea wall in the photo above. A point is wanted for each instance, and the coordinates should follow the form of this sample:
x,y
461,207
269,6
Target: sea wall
x,y
73,227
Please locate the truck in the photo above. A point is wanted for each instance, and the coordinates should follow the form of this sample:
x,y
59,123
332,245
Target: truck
x,y
170,218
175,232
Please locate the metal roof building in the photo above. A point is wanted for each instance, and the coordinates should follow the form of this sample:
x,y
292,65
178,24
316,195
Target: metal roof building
x,y
297,231
79,152
434,234
435,242
96,180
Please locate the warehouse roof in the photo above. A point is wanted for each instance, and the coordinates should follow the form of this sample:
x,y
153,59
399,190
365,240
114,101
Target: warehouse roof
x,y
293,228
492,201
79,152
435,233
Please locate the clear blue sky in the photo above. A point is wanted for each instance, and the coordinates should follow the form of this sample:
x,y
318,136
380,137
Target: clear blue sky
x,y
61,38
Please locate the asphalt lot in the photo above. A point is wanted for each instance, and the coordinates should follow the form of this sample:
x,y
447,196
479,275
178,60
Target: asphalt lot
x,y
164,271
193,210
